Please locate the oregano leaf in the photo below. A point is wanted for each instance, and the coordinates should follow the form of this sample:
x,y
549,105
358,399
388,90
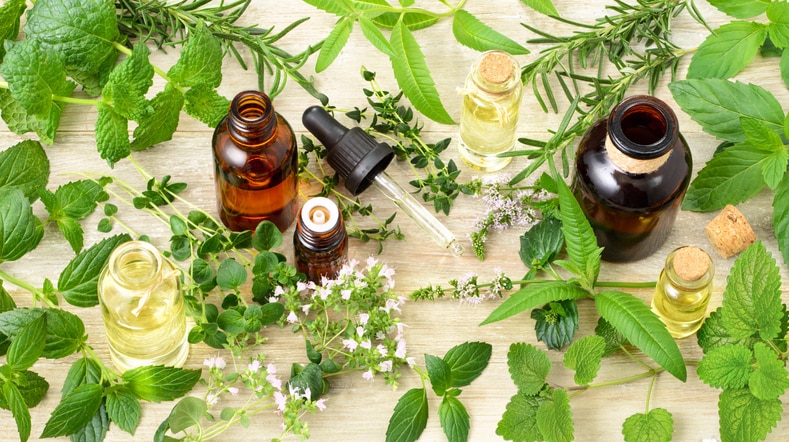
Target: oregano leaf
x,y
728,50
555,419
187,413
584,356
656,425
529,367
728,366
409,418
230,274
454,419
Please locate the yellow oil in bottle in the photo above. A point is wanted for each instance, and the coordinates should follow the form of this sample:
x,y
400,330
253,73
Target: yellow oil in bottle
x,y
143,308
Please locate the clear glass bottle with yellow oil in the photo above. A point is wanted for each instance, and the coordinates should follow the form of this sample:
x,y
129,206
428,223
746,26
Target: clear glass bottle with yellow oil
x,y
143,308
683,290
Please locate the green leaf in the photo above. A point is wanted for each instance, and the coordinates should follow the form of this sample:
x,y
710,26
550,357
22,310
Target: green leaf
x,y
375,36
778,13
159,125
744,417
554,329
204,103
65,333
528,366
10,14
728,366
231,321
783,65
470,31
123,409
333,44
411,20
128,83
584,356
34,390
542,6
741,9
313,355
78,282
267,236
18,409
542,243
309,380
74,411
613,339
413,75
24,166
730,177
95,430
83,371
467,361
20,230
439,373
781,216
555,419
728,50
454,419
112,135
533,296
200,62
331,6
230,275
752,298
187,413
642,328
717,106
713,334
769,378
28,344
83,31
76,199
579,238
409,418
655,426
20,121
156,383
519,421
271,313
762,138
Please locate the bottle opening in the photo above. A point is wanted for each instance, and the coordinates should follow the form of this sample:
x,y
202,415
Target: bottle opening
x,y
644,125
251,107
320,214
135,264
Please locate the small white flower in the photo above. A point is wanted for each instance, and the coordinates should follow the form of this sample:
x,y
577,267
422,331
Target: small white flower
x,y
280,399
385,366
350,344
366,344
382,350
254,366
292,318
368,375
363,318
233,391
321,404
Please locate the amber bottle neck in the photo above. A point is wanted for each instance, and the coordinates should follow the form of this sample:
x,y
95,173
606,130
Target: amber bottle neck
x,y
251,120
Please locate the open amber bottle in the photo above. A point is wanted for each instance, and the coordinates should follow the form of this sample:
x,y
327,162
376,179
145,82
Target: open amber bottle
x,y
256,165
631,172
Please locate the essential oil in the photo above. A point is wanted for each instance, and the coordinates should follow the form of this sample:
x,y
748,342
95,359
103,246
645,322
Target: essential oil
x,y
683,290
143,308
632,171
489,115
256,165
320,241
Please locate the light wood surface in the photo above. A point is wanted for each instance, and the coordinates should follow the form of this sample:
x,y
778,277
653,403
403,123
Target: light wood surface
x,y
359,410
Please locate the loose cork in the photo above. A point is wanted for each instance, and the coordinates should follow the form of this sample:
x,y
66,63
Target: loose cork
x,y
691,263
729,232
495,68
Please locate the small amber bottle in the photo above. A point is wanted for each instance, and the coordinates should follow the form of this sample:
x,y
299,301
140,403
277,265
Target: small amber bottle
x,y
631,172
143,308
256,165
320,241
683,290
489,116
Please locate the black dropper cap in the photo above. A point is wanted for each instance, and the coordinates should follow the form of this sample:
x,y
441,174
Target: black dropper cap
x,y
354,154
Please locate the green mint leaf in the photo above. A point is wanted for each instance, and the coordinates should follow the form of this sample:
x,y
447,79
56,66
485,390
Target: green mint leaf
x,y
20,230
553,328
454,419
774,167
74,411
741,9
529,367
409,418
83,31
112,135
10,14
781,216
519,421
18,409
555,419
613,339
204,103
83,371
72,231
752,298
375,36
6,304
467,361
309,380
728,50
127,84
762,138
730,177
783,66
778,13
333,44
542,6
20,121
159,125
123,409
78,282
95,430
642,328
34,390
158,383
230,274
579,238
200,62
743,417
76,199
13,321
717,106
584,356
655,426
187,413
28,345
473,33
24,166
728,366
542,243
65,333
413,75
439,373
769,379
267,236
533,296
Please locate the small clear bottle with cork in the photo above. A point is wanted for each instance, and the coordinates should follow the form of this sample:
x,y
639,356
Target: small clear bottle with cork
x,y
491,106
320,241
683,290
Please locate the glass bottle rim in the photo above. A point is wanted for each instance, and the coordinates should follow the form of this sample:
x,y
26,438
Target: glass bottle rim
x,y
633,106
129,252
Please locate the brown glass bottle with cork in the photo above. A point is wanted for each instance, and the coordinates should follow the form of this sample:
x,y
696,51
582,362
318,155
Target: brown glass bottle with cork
x,y
320,242
256,165
631,172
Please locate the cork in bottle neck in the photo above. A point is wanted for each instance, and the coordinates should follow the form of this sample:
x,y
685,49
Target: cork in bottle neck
x,y
690,266
641,133
251,120
496,72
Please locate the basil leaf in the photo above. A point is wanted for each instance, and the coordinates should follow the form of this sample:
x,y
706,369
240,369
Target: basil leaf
x,y
467,361
79,280
156,383
470,31
728,50
741,9
74,411
454,419
778,13
409,418
123,409
24,166
20,230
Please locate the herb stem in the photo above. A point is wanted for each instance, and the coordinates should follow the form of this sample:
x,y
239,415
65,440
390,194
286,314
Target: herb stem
x,y
38,294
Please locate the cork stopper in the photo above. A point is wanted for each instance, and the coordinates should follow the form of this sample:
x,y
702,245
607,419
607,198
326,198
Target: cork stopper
x,y
691,263
496,68
729,232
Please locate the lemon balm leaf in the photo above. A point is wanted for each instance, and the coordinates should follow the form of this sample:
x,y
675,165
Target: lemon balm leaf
x,y
657,425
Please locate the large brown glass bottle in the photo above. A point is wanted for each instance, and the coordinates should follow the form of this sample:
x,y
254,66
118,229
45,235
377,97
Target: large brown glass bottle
x,y
632,170
256,161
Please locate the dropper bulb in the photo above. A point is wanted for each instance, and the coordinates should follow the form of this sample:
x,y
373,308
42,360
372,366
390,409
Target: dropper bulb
x,y
321,124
